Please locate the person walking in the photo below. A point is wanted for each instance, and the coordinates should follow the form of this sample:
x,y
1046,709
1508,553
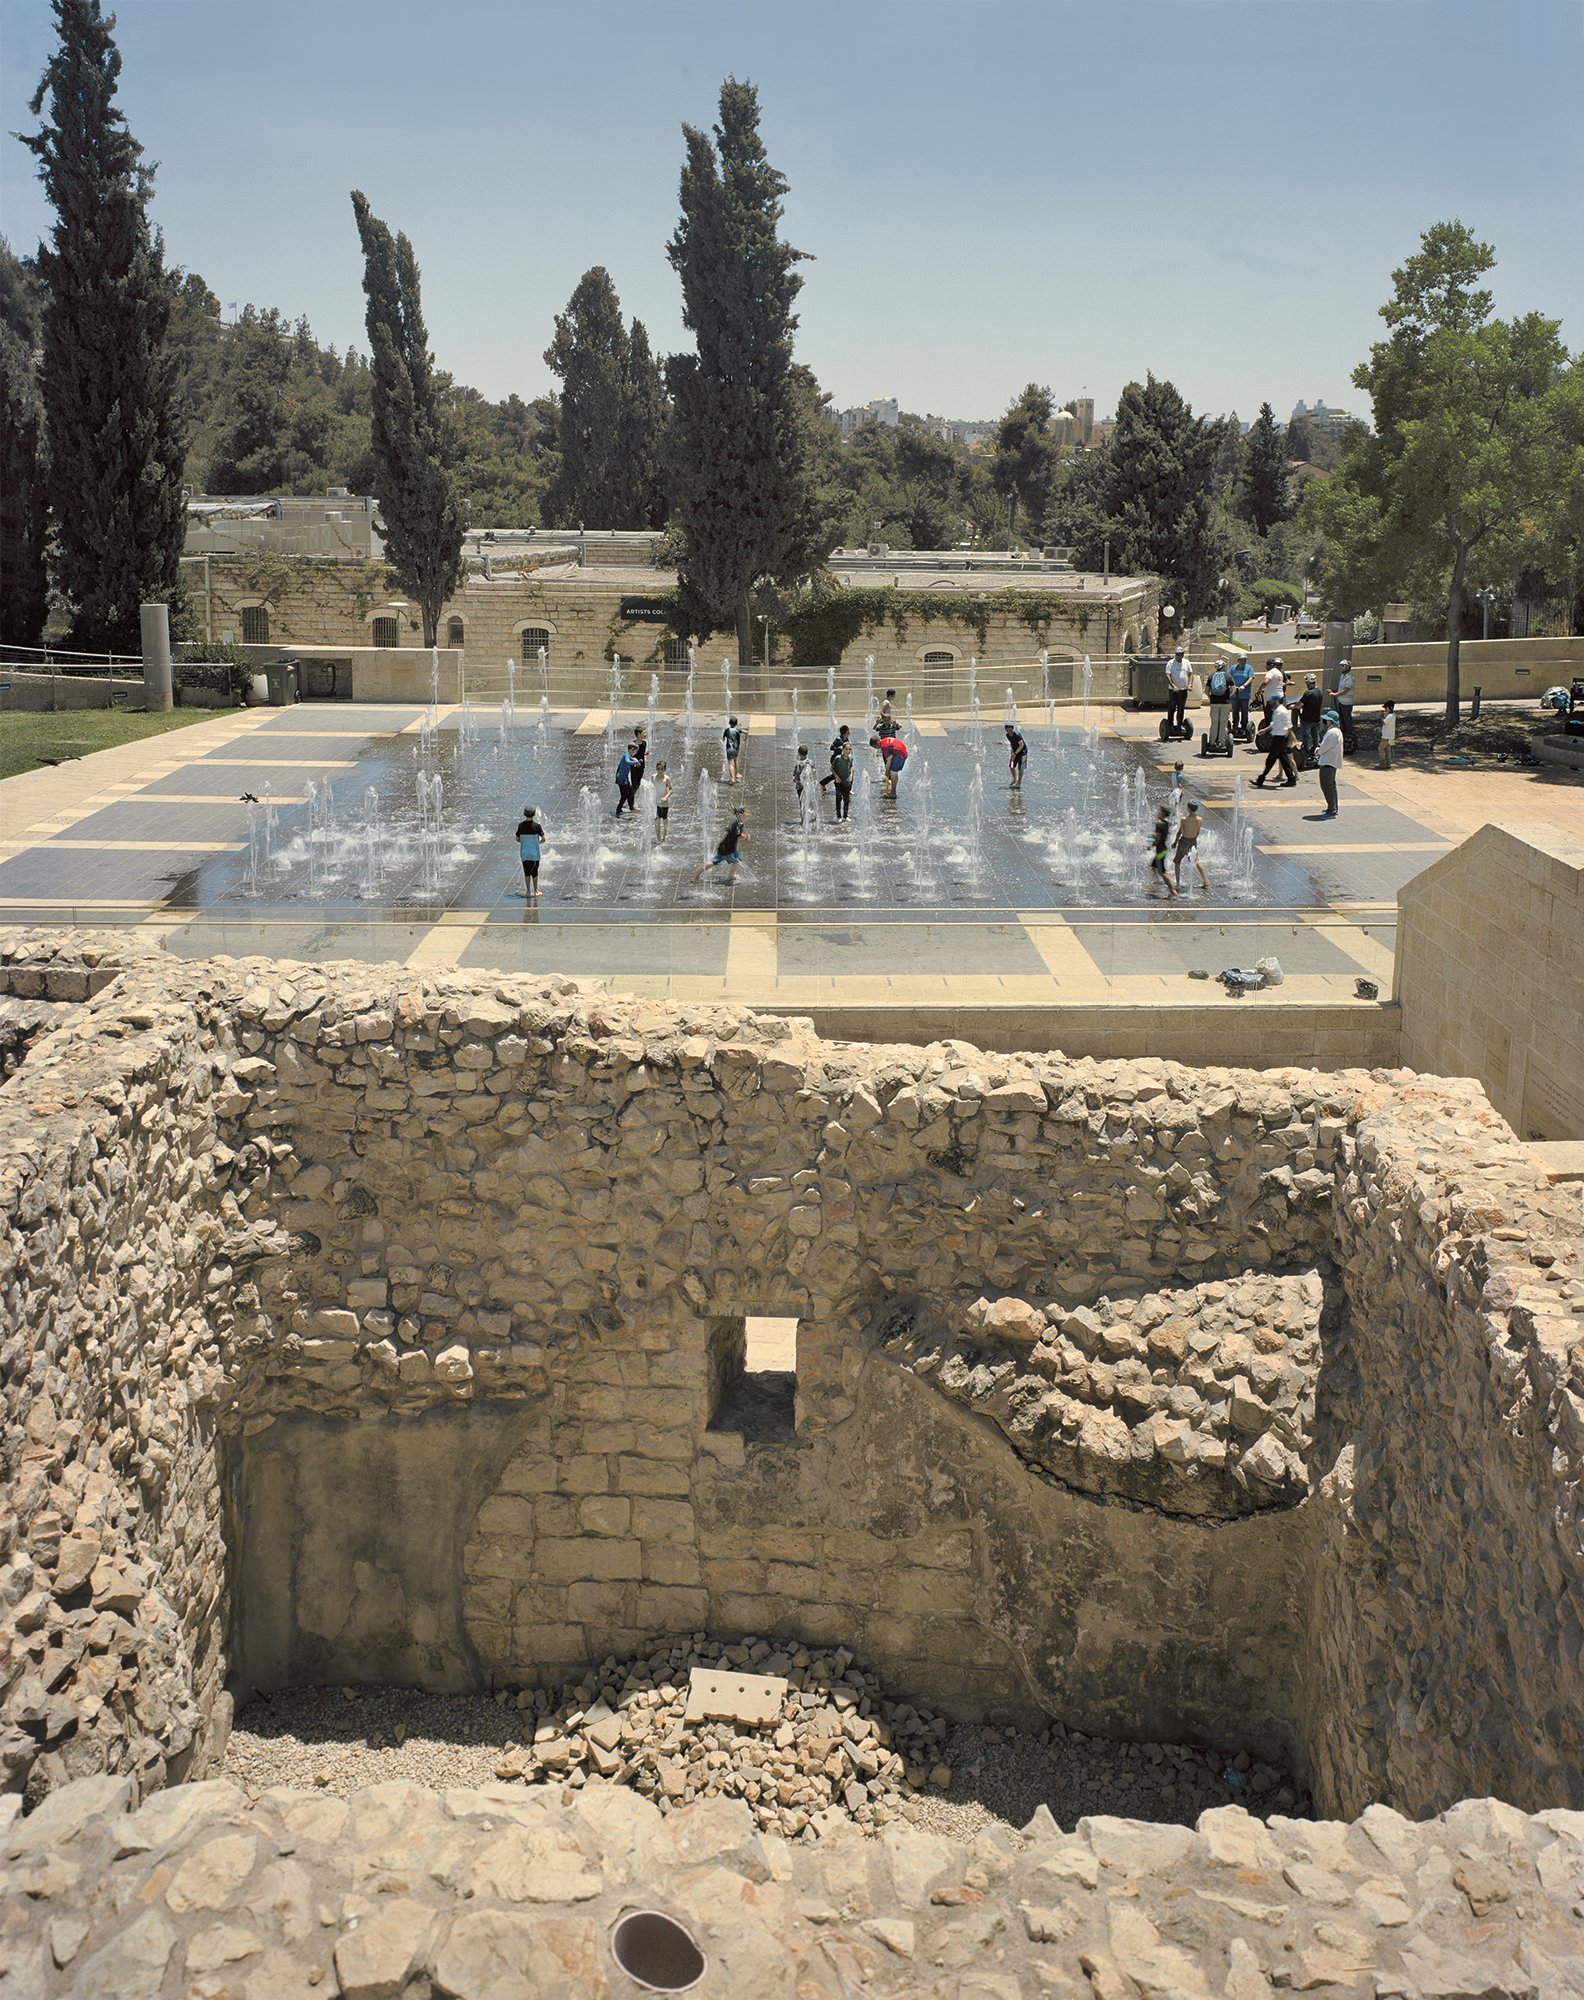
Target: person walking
x,y
628,772
840,742
1017,754
1388,736
893,754
1310,702
1278,734
1179,679
1186,845
1241,677
1160,847
727,854
1218,692
662,786
731,744
530,844
1344,706
841,773
1328,760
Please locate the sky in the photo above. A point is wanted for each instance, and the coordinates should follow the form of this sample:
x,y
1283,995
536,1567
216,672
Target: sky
x,y
993,192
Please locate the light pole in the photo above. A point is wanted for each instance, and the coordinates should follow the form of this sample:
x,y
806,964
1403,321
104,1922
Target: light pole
x,y
1485,598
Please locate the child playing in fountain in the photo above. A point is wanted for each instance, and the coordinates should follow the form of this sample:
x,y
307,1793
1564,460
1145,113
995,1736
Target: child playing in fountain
x,y
1017,754
841,772
530,840
893,754
662,785
731,743
628,772
1160,846
726,854
802,770
1186,846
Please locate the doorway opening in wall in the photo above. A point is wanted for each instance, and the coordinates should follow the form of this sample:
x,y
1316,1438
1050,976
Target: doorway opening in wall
x,y
753,1377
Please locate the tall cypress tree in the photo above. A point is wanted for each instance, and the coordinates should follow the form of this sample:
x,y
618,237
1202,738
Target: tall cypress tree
x,y
24,500
109,374
742,490
590,351
420,508
1265,472
644,419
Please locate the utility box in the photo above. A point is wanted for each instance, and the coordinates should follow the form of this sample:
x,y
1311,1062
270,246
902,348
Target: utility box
x,y
1146,680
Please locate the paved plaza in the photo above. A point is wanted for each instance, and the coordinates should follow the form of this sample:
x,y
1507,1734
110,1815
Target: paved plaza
x,y
960,888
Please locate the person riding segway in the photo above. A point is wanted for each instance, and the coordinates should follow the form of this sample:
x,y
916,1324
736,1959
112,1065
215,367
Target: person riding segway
x,y
1179,679
1217,740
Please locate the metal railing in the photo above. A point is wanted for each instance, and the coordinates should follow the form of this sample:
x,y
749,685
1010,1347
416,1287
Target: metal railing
x,y
61,660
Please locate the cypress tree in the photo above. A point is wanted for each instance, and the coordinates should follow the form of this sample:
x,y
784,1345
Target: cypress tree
x,y
421,511
24,501
1265,472
590,351
742,488
644,418
108,375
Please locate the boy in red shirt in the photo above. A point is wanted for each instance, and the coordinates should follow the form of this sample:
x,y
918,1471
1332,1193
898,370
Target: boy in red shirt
x,y
893,754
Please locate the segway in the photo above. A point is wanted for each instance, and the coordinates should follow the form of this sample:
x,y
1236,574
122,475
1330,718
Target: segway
x,y
1209,749
1180,734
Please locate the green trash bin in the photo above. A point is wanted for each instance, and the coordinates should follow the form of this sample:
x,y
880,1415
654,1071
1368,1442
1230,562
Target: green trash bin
x,y
1146,680
281,676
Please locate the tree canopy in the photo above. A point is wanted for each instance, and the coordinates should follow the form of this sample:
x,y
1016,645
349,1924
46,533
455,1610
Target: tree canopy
x,y
745,497
1160,471
1265,472
419,504
24,497
1469,468
108,374
1026,457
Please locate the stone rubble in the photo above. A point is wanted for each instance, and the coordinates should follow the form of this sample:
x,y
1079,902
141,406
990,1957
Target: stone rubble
x,y
838,1746
494,1891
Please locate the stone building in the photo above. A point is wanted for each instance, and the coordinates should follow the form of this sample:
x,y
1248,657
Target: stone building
x,y
941,611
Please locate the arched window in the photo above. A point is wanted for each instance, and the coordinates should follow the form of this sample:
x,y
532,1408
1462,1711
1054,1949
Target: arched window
x,y
453,631
535,636
939,660
255,625
387,632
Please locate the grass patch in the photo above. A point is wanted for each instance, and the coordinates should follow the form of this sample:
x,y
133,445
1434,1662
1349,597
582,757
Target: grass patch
x,y
29,741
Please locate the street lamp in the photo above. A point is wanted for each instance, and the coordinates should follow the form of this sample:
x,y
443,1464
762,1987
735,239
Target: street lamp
x,y
1485,599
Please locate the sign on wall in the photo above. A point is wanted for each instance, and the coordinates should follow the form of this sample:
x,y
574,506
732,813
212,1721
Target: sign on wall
x,y
645,610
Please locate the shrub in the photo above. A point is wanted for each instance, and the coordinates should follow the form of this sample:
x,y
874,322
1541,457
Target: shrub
x,y
1268,593
215,666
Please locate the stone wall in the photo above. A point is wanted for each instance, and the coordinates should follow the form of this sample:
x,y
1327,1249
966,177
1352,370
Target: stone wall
x,y
439,1280
1504,668
1490,973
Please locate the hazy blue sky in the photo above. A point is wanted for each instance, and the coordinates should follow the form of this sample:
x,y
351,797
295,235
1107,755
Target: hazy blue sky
x,y
1071,191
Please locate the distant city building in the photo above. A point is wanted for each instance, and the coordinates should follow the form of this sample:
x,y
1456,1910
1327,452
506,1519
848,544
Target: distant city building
x,y
1322,419
883,410
1083,416
960,430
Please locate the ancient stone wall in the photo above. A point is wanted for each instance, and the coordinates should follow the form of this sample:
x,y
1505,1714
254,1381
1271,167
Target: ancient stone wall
x,y
1238,1406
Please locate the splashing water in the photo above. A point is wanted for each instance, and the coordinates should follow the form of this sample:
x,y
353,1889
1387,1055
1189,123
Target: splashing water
x,y
907,720
373,843
708,805
1088,684
511,683
434,677
588,855
1011,706
975,727
1044,667
869,700
830,700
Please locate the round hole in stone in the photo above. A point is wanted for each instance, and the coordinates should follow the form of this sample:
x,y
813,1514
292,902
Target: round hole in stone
x,y
657,1952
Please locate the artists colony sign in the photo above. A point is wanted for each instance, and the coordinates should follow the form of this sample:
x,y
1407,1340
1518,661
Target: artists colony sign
x,y
645,610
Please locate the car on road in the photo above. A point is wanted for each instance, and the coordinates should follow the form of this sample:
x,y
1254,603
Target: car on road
x,y
1310,625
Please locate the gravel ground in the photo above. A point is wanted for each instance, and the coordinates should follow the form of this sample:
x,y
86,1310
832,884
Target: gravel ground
x,y
342,1739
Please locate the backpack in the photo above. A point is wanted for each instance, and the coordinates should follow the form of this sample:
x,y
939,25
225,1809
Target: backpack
x,y
1218,685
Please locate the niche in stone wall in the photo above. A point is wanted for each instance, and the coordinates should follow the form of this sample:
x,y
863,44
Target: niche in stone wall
x,y
753,1377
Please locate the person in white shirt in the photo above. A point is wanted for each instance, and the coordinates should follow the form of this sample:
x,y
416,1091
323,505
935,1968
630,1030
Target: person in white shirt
x,y
1272,688
1279,729
1344,702
1388,735
1179,679
1328,761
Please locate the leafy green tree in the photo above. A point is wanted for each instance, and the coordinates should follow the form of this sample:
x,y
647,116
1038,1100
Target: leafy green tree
x,y
1265,472
1161,467
744,491
108,373
24,496
419,504
1300,442
1079,518
253,456
1026,457
1468,455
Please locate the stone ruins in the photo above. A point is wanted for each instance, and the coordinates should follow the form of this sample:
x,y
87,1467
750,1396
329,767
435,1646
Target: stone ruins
x,y
364,1325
